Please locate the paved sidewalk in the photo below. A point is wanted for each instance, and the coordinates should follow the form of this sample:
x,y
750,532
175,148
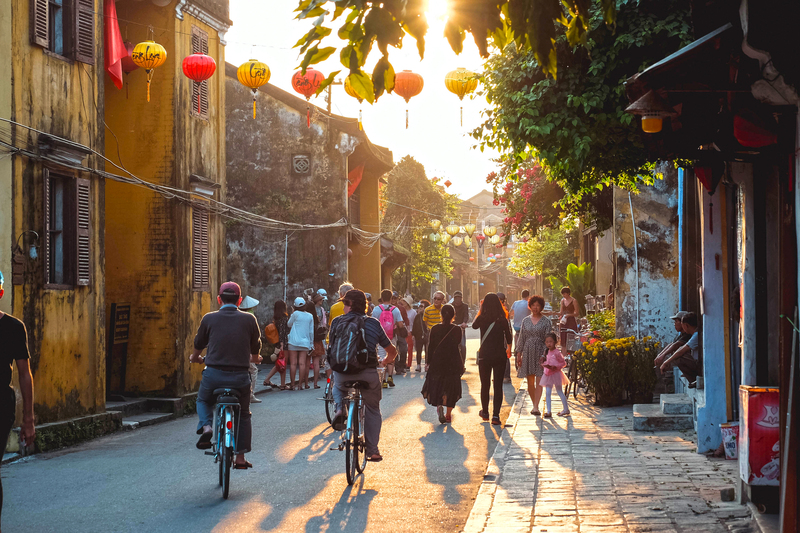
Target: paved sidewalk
x,y
592,472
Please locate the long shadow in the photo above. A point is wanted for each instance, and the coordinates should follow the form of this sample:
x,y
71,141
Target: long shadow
x,y
349,514
445,445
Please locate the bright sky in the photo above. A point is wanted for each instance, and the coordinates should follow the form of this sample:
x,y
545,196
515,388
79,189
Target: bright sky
x,y
266,30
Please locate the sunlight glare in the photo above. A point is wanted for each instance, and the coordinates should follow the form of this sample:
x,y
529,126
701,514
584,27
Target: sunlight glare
x,y
437,9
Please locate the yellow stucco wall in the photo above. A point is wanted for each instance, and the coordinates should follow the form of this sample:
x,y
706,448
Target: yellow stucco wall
x,y
364,266
148,237
65,327
6,228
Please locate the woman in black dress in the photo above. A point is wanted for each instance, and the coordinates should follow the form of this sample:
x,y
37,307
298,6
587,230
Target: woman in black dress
x,y
492,320
444,366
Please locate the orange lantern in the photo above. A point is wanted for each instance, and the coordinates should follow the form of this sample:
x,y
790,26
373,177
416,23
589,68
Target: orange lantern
x,y
408,85
307,85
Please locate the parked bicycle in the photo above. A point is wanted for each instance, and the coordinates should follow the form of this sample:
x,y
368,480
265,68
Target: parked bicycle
x,y
226,426
353,442
573,344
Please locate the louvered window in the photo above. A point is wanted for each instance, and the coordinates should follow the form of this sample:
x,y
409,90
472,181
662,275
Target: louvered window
x,y
200,276
199,90
67,230
64,27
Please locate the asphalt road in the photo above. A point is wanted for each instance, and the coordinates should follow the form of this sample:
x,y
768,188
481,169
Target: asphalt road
x,y
154,479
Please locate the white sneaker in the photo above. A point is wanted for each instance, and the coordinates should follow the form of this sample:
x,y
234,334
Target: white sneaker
x,y
419,368
253,399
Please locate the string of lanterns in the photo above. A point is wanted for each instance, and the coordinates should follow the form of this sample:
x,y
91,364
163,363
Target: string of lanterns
x,y
150,55
451,234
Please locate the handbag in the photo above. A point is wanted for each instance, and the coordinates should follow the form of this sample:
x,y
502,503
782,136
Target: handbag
x,y
280,364
491,326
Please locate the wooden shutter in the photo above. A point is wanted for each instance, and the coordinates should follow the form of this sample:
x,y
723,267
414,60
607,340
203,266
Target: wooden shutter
x,y
46,225
84,31
40,22
200,46
200,265
83,235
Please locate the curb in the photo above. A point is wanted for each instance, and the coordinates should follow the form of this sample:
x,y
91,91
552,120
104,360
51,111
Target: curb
x,y
485,498
763,523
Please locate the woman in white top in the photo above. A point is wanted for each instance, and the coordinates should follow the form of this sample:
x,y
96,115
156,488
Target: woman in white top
x,y
301,341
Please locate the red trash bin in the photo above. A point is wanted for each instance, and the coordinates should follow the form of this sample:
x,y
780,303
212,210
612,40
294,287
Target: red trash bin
x,y
759,435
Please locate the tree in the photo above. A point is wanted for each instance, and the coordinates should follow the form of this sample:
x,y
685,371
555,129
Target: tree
x,y
530,24
575,126
547,254
410,201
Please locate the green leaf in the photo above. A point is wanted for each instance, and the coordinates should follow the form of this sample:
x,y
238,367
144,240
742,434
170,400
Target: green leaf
x,y
315,55
383,77
362,85
327,81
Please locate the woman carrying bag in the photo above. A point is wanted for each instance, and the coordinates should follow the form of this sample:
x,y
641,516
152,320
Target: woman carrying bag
x,y
277,333
444,369
492,321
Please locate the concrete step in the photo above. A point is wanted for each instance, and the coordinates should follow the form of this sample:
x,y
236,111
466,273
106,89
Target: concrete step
x,y
145,419
648,417
128,407
676,404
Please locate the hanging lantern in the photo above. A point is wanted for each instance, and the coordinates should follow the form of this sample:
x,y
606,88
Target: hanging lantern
x,y
198,68
453,229
436,224
307,85
457,241
253,74
472,258
469,229
461,82
408,85
653,109
434,237
348,88
445,238
489,231
149,55
471,250
494,239
448,183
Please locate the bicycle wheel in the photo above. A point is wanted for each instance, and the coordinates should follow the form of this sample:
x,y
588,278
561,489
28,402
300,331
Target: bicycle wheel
x,y
361,443
218,448
329,409
227,460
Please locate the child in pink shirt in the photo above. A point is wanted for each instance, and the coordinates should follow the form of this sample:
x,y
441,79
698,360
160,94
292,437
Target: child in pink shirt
x,y
553,362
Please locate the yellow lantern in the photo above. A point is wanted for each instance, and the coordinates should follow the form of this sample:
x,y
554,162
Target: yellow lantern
x,y
446,238
453,229
436,224
348,88
489,231
148,55
494,239
457,241
469,229
434,237
461,82
253,74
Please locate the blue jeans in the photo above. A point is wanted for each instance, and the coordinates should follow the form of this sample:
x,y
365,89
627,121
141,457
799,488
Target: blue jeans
x,y
372,403
219,379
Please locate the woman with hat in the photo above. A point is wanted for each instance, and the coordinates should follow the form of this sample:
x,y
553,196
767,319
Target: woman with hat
x,y
248,305
301,341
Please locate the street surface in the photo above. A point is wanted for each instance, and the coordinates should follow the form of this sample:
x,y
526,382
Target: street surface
x,y
154,479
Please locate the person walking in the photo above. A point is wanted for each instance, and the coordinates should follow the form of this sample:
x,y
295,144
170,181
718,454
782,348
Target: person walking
x,y
391,320
492,322
519,310
301,341
531,348
280,320
442,387
314,354
400,335
420,332
320,334
568,313
248,305
408,304
553,362
460,319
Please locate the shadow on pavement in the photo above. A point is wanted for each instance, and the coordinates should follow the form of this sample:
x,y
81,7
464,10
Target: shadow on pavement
x,y
445,444
349,514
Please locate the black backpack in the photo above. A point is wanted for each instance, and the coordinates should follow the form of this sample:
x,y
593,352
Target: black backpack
x,y
347,350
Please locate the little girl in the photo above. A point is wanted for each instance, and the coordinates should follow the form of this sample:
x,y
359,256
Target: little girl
x,y
553,362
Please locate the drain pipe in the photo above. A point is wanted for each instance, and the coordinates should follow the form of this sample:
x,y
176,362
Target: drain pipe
x,y
636,255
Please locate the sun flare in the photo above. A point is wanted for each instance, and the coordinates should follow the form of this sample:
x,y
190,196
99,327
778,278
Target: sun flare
x,y
437,9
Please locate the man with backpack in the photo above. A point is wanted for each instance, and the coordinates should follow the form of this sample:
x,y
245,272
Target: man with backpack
x,y
391,321
353,356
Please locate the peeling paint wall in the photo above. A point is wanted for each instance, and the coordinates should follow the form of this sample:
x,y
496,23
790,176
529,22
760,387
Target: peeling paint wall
x,y
655,211
262,179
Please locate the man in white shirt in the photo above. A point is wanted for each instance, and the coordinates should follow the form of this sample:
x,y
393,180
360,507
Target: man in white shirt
x,y
386,305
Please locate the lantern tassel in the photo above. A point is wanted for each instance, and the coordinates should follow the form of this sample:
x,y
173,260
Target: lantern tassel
x,y
462,115
308,116
360,126
148,90
406,118
254,108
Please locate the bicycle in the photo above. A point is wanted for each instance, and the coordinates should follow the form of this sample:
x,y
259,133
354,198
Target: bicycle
x,y
226,426
353,441
573,344
328,399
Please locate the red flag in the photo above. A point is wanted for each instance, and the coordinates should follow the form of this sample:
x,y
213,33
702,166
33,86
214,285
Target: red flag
x,y
115,48
353,179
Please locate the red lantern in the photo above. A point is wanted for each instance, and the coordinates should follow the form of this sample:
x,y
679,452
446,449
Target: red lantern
x,y
472,259
307,85
481,237
198,68
448,183
408,85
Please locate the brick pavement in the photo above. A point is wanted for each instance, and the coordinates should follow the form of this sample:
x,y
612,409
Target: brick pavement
x,y
592,472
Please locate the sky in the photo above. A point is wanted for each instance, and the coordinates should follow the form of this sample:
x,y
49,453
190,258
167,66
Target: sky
x,y
266,30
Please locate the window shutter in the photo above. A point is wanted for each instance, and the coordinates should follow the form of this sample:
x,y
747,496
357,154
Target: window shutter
x,y
84,235
40,22
204,248
46,232
200,45
200,266
84,31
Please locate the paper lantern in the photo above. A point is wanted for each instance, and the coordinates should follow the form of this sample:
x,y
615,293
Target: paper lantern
x,y
408,85
489,231
457,241
494,239
436,224
453,229
307,85
253,74
149,55
653,109
461,82
198,68
472,259
469,229
445,238
448,183
348,88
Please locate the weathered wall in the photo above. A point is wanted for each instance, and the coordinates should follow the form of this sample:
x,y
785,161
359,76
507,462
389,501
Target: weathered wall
x,y
65,326
656,216
261,179
604,267
6,171
149,252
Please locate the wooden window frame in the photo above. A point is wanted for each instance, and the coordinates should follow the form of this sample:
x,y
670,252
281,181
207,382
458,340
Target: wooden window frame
x,y
76,229
78,33
201,277
200,45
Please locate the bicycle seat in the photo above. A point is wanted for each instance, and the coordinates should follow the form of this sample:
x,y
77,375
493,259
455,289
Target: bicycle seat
x,y
226,392
356,384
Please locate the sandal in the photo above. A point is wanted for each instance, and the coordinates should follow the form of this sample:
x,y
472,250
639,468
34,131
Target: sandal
x,y
204,443
375,458
286,387
563,413
316,386
484,415
535,412
242,466
495,420
268,383
548,415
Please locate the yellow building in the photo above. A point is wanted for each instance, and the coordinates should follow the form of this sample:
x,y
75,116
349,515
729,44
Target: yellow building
x,y
51,211
163,255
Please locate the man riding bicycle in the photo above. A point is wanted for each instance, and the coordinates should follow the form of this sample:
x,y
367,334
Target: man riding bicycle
x,y
233,340
355,308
